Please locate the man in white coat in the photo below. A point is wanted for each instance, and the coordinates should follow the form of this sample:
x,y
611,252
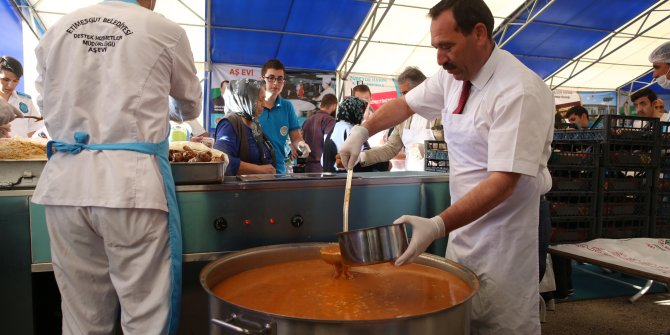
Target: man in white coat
x,y
105,75
498,120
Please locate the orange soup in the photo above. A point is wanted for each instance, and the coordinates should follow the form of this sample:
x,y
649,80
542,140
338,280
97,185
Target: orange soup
x,y
309,289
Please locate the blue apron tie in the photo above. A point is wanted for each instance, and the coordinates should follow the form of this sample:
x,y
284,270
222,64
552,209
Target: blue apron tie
x,y
160,150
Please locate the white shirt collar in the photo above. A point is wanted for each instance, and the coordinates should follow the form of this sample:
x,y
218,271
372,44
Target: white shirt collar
x,y
487,70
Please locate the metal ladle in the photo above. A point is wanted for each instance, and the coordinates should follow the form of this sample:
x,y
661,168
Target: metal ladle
x,y
331,254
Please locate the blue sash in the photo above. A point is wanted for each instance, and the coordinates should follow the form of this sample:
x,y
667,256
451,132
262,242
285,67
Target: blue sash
x,y
160,150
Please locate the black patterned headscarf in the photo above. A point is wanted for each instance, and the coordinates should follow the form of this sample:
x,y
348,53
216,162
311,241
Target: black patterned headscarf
x,y
351,110
241,97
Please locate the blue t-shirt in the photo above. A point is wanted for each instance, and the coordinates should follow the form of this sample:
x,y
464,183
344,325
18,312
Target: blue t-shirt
x,y
277,123
226,141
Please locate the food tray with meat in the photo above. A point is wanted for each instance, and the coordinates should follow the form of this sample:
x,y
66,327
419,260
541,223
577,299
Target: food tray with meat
x,y
195,163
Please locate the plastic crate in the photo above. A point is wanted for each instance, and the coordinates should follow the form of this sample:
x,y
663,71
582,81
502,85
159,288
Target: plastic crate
x,y
664,157
665,134
623,227
570,230
565,205
630,129
621,205
567,153
615,179
437,156
660,228
581,136
571,180
633,155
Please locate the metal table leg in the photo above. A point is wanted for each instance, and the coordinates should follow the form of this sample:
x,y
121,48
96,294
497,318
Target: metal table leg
x,y
642,291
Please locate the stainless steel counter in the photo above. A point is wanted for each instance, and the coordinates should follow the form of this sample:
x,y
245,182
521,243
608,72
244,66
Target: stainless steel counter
x,y
226,217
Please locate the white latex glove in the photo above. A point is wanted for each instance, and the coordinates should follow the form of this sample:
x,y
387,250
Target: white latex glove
x,y
304,149
8,112
424,232
351,148
361,158
5,129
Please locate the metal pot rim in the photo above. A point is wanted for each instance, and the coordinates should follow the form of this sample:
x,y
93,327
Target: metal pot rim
x,y
426,256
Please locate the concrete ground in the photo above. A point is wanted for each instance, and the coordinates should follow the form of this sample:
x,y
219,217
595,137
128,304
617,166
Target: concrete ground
x,y
650,315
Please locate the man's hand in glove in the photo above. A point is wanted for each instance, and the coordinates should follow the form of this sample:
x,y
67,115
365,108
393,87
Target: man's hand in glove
x,y
351,148
304,149
424,232
8,112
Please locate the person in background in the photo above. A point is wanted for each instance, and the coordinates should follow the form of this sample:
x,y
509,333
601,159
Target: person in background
x,y
660,59
107,189
325,84
7,114
300,90
349,113
279,120
363,92
11,72
218,104
659,107
315,129
578,117
409,135
498,118
198,132
643,100
239,135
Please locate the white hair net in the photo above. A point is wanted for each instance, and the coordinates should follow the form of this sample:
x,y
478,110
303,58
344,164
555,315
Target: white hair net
x,y
661,54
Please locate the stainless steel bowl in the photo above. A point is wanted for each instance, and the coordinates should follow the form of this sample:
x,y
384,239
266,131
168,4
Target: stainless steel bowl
x,y
373,245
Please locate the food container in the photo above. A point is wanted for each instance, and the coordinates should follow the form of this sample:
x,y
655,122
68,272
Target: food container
x,y
373,245
193,173
229,318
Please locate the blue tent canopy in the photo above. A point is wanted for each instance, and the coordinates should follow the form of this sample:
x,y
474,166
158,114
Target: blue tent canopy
x,y
304,34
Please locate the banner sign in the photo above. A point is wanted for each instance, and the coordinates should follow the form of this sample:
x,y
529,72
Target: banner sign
x,y
303,89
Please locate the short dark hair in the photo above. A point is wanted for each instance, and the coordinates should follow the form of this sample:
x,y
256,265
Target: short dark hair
x,y
224,81
467,14
645,92
576,110
328,100
412,75
12,65
272,64
361,88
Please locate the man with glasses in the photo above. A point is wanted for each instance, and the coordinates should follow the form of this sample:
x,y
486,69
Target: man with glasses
x,y
279,120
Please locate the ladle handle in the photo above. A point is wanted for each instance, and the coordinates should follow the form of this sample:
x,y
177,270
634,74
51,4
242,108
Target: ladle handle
x,y
345,208
229,324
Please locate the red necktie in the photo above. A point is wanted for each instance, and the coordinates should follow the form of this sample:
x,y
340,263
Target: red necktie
x,y
465,93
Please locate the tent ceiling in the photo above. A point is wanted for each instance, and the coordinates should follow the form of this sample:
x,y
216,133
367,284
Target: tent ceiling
x,y
304,34
598,44
403,37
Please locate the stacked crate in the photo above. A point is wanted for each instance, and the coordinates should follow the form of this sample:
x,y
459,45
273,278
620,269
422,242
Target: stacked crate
x,y
660,225
573,165
437,156
627,176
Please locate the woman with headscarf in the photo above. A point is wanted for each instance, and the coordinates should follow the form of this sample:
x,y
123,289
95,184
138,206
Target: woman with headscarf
x,y
239,134
349,113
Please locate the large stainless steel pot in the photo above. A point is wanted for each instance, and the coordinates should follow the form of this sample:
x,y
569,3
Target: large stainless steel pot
x,y
228,318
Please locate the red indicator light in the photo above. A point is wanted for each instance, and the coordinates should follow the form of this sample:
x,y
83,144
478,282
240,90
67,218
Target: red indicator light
x,y
272,221
247,222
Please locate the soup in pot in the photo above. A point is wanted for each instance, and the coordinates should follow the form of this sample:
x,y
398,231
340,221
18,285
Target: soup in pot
x,y
308,289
